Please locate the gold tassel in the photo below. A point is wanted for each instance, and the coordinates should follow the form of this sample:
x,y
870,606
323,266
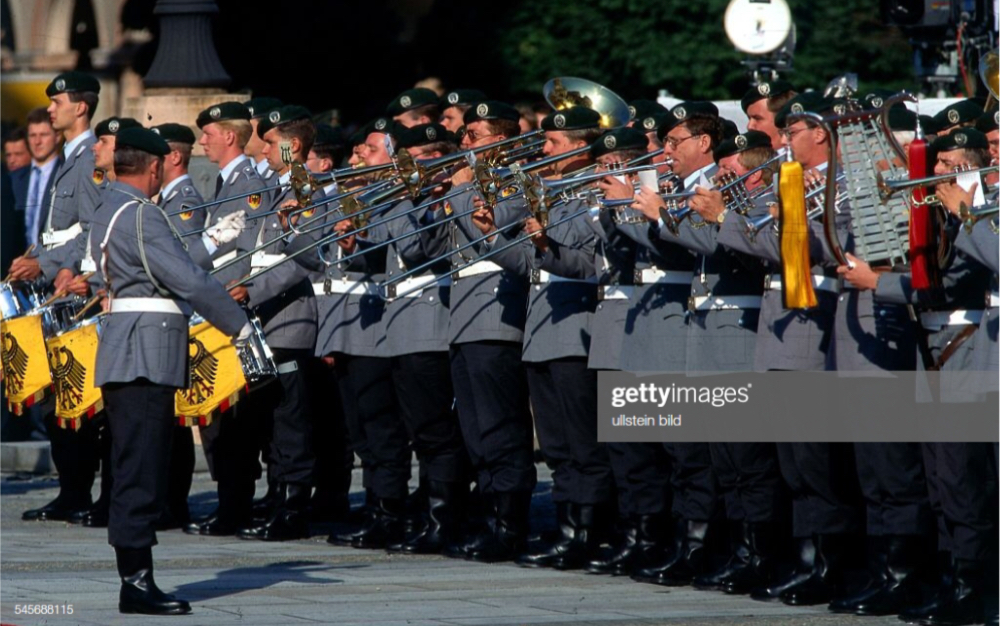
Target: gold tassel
x,y
796,278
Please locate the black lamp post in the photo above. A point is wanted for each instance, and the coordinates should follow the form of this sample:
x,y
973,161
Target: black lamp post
x,y
186,55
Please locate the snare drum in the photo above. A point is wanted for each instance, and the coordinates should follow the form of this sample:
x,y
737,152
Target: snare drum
x,y
72,356
58,316
256,357
26,375
17,299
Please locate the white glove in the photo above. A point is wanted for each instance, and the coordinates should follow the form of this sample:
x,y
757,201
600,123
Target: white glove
x,y
228,228
241,340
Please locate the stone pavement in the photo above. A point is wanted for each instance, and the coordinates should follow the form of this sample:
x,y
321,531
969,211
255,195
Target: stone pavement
x,y
229,581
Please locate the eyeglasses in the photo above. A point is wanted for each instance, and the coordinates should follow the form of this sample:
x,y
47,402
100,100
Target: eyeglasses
x,y
674,142
474,136
788,134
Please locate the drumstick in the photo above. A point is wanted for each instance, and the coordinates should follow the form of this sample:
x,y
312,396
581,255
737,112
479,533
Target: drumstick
x,y
86,306
62,292
26,253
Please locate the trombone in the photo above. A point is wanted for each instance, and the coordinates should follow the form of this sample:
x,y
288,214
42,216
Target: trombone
x,y
889,188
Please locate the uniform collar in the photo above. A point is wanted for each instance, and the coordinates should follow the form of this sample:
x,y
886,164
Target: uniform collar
x,y
262,167
696,177
71,146
231,166
173,185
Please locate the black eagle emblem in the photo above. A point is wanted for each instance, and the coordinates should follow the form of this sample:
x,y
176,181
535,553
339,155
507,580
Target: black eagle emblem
x,y
69,376
204,367
15,363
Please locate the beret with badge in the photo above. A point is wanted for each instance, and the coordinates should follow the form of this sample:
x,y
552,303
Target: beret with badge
x,y
143,139
961,138
573,118
741,142
112,125
961,112
72,82
641,109
284,114
765,90
625,138
222,112
490,110
177,133
261,106
461,97
411,99
421,135
807,102
988,121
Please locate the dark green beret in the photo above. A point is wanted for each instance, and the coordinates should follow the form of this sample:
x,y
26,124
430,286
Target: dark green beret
x,y
961,138
808,102
928,124
641,109
222,112
625,138
281,116
178,133
729,128
112,125
875,98
901,118
327,135
958,113
260,107
740,143
490,110
573,118
765,90
988,121
411,99
461,97
692,108
385,125
142,139
653,123
72,82
421,135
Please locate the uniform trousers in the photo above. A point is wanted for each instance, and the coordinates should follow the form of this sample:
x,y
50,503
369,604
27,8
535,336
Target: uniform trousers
x,y
823,482
642,477
286,403
141,418
426,402
376,430
76,455
331,445
693,482
749,480
894,488
564,399
491,395
963,477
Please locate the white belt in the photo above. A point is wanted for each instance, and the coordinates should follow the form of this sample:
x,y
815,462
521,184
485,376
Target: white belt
x,y
415,285
724,303
479,267
56,238
823,283
650,276
541,276
145,305
225,258
936,320
617,292
261,260
349,287
994,300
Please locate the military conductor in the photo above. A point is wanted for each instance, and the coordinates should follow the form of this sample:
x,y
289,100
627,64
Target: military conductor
x,y
142,355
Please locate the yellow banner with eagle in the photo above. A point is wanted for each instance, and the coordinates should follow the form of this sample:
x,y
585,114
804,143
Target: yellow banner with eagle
x,y
215,375
73,361
26,374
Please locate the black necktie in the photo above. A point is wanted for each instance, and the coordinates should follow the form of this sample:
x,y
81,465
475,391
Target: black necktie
x,y
218,185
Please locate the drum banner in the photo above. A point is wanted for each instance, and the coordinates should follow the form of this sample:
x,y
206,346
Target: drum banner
x,y
215,375
72,361
25,368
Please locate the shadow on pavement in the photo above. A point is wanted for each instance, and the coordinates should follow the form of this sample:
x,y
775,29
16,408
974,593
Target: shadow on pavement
x,y
240,579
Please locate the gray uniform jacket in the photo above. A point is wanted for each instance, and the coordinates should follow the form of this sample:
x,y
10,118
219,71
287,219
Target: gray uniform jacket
x,y
787,339
490,306
615,268
154,346
243,179
417,322
182,195
283,296
75,194
722,339
558,319
982,245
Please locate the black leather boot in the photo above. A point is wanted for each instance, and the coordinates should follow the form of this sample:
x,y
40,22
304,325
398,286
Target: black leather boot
x,y
900,588
642,547
68,502
487,529
510,536
329,506
591,528
288,520
566,520
806,554
751,562
386,528
234,512
139,593
687,560
739,559
262,507
963,603
366,515
826,581
626,546
942,584
877,556
443,512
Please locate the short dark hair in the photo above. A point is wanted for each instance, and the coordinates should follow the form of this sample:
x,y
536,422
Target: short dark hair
x,y
507,128
183,148
87,97
586,135
432,111
303,130
39,116
18,134
129,160
755,157
333,151
977,157
705,125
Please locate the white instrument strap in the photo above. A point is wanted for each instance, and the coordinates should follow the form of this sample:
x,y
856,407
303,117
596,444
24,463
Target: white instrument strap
x,y
104,243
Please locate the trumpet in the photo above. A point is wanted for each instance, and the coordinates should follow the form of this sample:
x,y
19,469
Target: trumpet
x,y
889,188
754,225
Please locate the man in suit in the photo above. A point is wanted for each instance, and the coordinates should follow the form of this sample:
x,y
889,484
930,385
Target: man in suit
x,y
15,150
153,287
44,143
